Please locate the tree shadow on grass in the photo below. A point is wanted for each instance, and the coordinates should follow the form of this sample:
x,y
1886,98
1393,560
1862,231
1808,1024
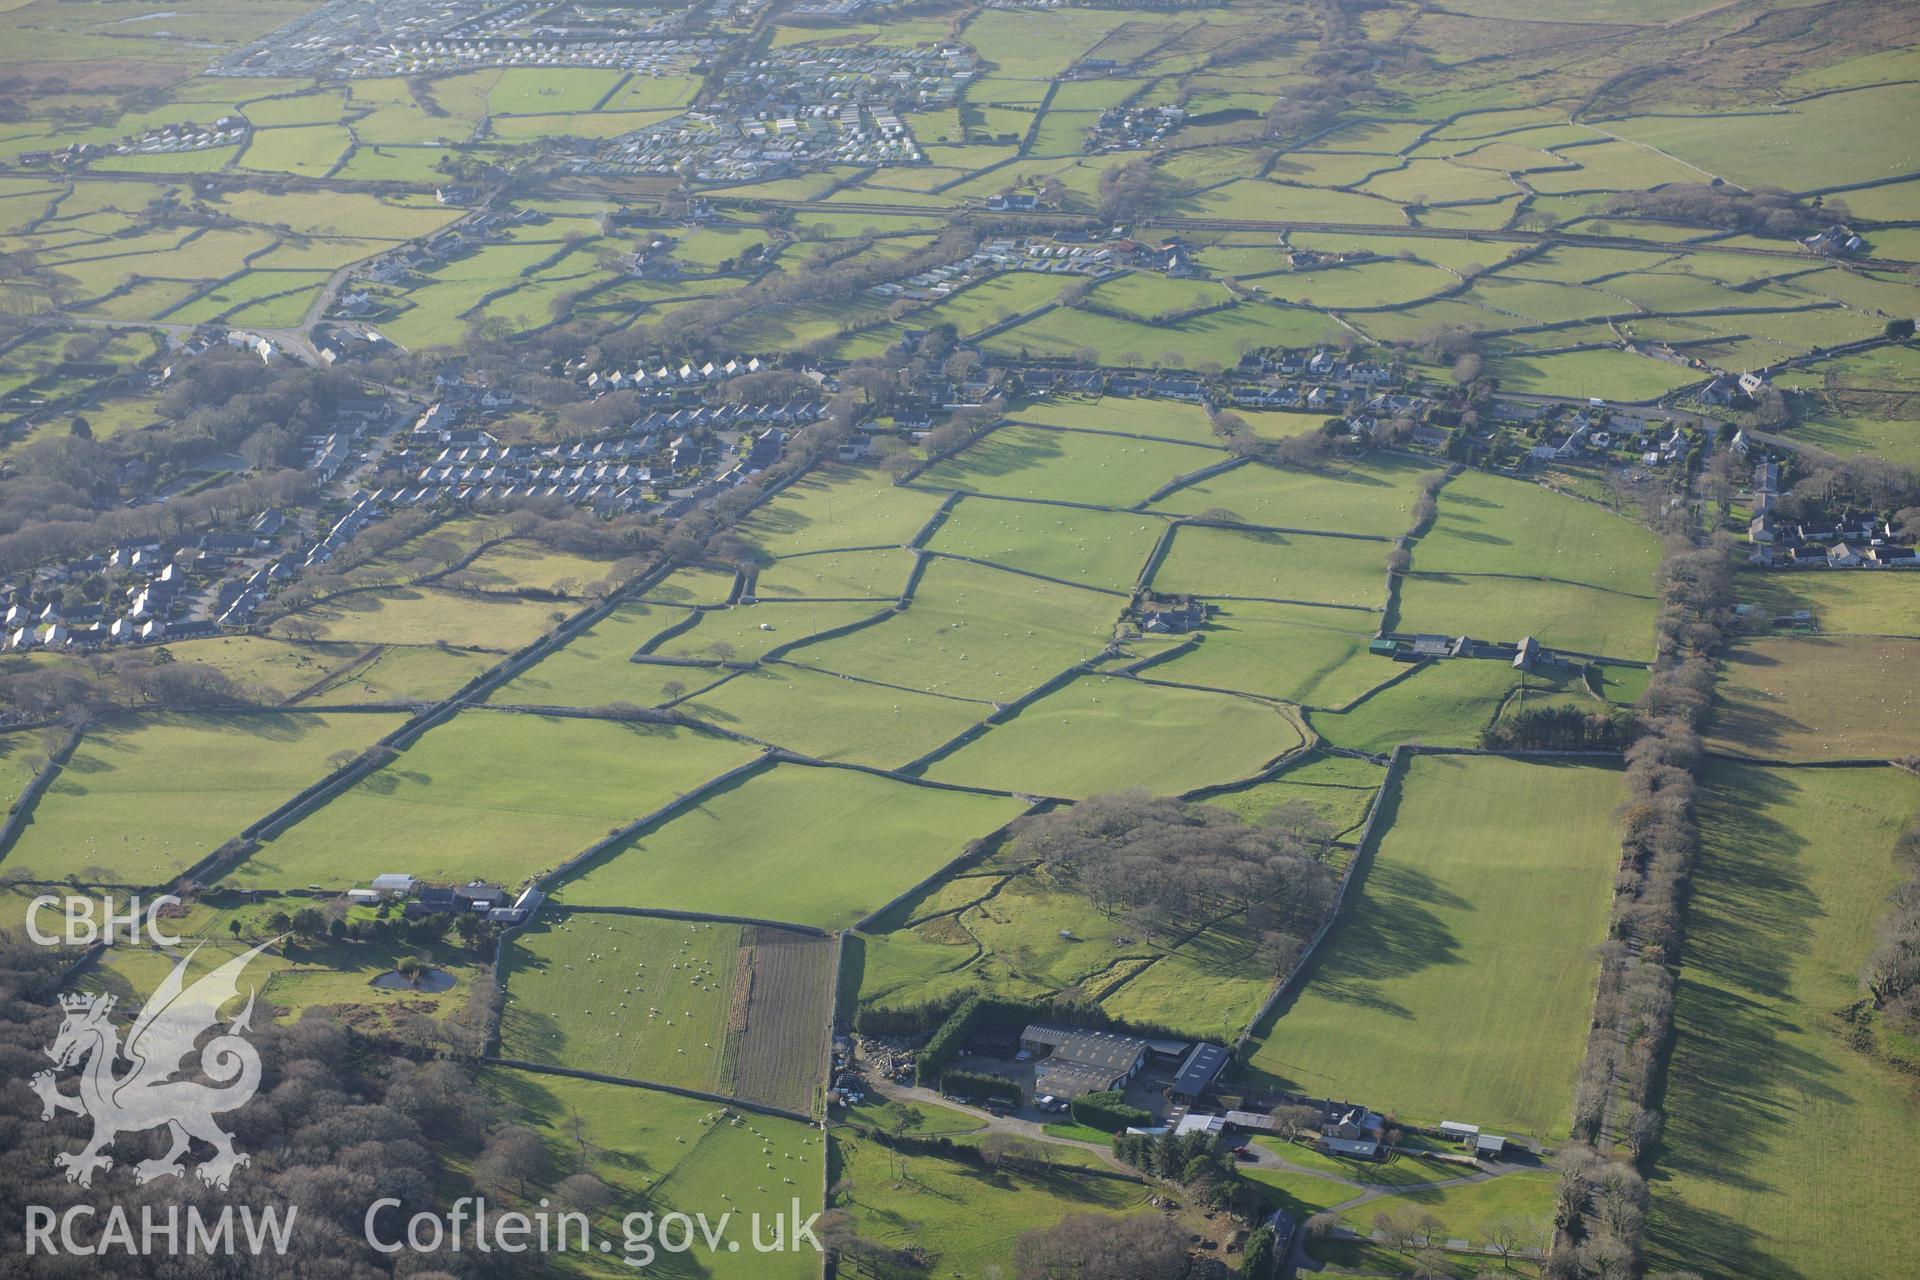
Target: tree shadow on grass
x,y
1711,1244
1002,454
1388,934
1740,1076
1752,908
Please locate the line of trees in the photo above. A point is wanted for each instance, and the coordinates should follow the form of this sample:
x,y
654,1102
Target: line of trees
x,y
1893,970
1562,728
1603,1216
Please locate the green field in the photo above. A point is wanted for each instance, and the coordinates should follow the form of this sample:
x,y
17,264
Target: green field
x,y
1444,704
403,673
1091,548
748,632
1338,789
1488,525
1298,653
831,717
1868,604
1292,568
1198,339
1560,615
835,575
494,794
1759,1175
838,506
1816,698
645,999
1029,462
1374,496
974,632
593,669
778,845
1086,738
145,798
1469,1211
965,1218
1167,419
423,615
1457,986
660,1153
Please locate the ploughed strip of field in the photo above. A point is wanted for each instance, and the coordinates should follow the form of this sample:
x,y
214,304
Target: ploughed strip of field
x,y
777,1017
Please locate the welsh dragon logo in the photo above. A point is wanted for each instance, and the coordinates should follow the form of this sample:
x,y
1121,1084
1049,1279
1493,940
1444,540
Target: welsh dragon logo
x,y
145,1095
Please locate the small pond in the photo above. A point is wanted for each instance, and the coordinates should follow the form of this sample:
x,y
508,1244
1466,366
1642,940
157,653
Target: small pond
x,y
428,980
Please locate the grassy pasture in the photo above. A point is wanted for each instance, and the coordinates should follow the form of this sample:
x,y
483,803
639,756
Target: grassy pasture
x,y
1458,984
547,90
1343,805
629,996
834,575
1026,46
1168,419
423,615
593,669
1470,1211
777,845
1148,295
1211,985
693,585
1085,739
1031,462
278,668
1093,548
1253,198
494,794
1835,139
1817,698
1369,284
830,717
1373,496
974,632
1299,653
1444,704
1845,603
1065,332
143,799
1432,181
1759,1175
1260,565
965,1218
976,307
1560,615
746,632
838,506
1487,524
661,1153
404,673
512,566
1611,375
1846,434
308,150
